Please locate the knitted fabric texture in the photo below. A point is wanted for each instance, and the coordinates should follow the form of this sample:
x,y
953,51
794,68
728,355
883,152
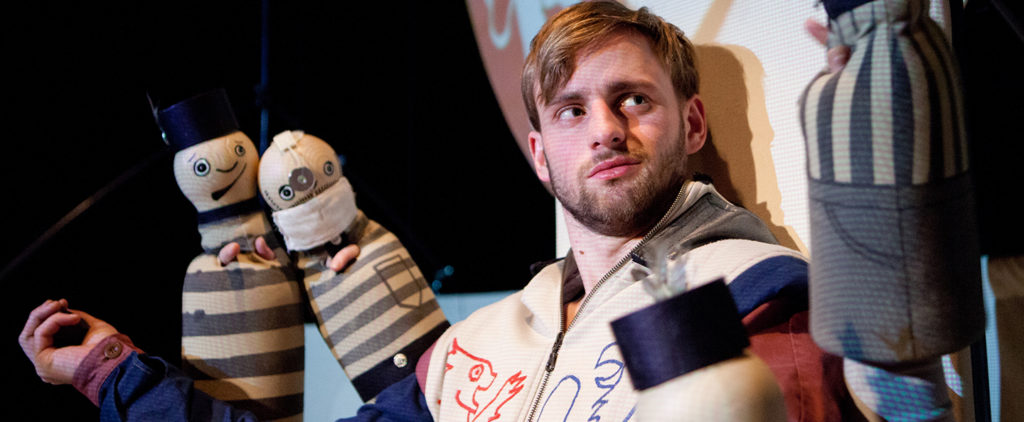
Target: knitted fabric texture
x,y
895,272
378,315
242,336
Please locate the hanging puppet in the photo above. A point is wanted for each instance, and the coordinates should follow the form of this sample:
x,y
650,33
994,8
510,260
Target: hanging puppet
x,y
895,270
686,351
378,315
242,334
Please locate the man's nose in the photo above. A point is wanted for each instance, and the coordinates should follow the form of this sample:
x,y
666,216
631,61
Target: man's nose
x,y
607,126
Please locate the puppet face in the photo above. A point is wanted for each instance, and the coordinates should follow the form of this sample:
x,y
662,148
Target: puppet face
x,y
217,172
292,175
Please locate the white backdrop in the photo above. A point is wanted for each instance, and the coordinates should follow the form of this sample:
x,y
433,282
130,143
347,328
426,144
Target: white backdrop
x,y
755,57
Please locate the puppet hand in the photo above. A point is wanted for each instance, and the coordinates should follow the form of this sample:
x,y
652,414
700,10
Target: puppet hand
x,y
58,365
230,251
837,56
344,257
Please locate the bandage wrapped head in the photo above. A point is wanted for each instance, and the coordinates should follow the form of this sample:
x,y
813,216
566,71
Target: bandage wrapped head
x,y
300,179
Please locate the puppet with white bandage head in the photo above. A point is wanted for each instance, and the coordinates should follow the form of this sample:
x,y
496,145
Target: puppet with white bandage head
x,y
315,211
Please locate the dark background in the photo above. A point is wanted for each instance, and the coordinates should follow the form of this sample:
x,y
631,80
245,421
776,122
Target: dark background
x,y
397,89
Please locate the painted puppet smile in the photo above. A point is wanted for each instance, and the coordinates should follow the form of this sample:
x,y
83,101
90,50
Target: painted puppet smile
x,y
220,192
229,170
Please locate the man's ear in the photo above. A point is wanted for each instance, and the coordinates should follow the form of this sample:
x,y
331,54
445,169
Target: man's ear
x,y
540,162
696,124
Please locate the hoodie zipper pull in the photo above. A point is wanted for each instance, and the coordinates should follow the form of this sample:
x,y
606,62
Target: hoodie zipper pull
x,y
554,351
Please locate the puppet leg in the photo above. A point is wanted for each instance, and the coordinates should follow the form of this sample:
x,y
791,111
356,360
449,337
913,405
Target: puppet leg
x,y
242,335
895,266
378,315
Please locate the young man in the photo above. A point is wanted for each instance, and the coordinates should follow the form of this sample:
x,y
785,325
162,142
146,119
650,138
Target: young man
x,y
612,97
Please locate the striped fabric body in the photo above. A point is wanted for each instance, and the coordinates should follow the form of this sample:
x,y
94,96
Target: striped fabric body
x,y
242,334
378,315
894,271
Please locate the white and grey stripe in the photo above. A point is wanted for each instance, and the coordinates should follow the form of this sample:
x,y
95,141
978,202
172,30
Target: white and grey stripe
x,y
894,277
892,116
376,308
242,335
246,366
233,345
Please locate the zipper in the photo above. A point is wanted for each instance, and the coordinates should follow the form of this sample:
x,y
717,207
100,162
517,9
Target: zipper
x,y
550,366
553,356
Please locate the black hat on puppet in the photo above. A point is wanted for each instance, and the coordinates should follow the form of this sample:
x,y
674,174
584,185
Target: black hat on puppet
x,y
197,119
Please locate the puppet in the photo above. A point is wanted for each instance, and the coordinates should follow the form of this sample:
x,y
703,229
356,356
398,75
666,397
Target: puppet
x,y
378,315
895,270
242,334
686,351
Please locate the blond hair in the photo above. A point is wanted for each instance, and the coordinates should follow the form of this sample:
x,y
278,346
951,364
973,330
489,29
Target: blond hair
x,y
556,48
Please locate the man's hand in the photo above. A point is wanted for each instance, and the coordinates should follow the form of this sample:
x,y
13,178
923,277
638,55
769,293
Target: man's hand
x,y
340,260
58,365
344,257
230,251
837,56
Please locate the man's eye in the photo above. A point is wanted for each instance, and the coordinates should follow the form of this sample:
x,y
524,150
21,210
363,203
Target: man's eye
x,y
239,150
634,100
570,113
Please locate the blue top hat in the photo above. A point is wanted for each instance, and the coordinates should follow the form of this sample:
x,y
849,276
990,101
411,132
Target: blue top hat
x,y
197,119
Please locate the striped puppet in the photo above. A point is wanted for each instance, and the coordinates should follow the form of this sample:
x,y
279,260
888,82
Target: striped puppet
x,y
378,315
242,335
895,273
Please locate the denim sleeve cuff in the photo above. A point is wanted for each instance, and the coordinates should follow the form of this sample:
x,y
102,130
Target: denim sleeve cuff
x,y
100,362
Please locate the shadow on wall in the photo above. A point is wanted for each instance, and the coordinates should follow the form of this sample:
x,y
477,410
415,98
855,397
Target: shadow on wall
x,y
738,155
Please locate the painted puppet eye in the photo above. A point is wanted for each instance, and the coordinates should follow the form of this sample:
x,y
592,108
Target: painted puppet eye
x,y
239,150
329,168
286,193
201,167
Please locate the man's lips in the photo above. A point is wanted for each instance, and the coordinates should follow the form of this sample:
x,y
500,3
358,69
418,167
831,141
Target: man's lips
x,y
613,167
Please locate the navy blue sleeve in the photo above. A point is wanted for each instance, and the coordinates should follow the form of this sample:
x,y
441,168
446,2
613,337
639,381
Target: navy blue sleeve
x,y
144,388
780,276
402,401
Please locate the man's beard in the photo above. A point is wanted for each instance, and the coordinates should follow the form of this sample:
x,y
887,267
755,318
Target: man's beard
x,y
629,207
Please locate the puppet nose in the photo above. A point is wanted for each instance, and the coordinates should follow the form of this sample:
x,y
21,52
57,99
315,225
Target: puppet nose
x,y
301,179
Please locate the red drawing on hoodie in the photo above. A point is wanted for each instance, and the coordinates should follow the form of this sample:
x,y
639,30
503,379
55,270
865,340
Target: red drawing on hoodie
x,y
480,374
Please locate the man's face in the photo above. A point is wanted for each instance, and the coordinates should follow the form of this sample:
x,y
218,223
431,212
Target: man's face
x,y
613,141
